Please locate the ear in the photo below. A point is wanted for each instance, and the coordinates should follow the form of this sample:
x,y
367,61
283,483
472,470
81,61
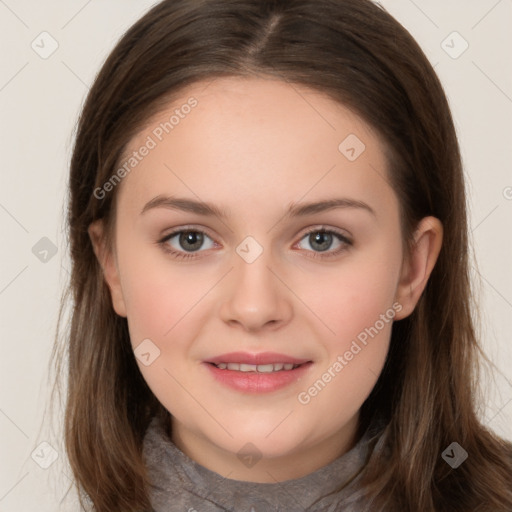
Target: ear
x,y
418,264
108,263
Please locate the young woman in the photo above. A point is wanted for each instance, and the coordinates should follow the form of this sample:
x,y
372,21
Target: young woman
x,y
270,280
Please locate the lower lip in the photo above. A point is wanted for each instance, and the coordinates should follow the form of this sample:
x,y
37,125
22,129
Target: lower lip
x,y
256,382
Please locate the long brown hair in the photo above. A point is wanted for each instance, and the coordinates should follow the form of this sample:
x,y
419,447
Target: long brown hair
x,y
360,56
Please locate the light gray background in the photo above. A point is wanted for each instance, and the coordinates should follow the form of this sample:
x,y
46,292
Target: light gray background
x,y
39,103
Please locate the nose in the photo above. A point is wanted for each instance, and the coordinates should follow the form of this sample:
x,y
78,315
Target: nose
x,y
256,298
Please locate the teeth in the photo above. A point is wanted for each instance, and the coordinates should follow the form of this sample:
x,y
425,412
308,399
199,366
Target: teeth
x,y
261,368
265,368
247,367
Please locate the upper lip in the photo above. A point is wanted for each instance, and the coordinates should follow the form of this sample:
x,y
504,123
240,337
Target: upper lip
x,y
257,359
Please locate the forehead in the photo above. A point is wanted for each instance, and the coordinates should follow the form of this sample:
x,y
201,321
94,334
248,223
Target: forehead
x,y
237,137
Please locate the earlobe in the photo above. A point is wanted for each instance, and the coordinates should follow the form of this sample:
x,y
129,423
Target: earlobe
x,y
418,264
106,259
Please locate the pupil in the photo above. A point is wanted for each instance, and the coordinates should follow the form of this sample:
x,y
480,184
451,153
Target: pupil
x,y
193,239
323,240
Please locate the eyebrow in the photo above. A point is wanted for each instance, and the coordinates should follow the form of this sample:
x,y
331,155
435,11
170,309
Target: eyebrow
x,y
294,209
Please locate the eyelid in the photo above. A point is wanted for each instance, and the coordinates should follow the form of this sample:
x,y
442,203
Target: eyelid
x,y
180,229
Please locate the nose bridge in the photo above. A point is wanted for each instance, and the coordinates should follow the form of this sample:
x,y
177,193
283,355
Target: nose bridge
x,y
256,297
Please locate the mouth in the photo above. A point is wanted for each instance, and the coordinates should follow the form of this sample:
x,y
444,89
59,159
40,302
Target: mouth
x,y
260,368
262,372
261,362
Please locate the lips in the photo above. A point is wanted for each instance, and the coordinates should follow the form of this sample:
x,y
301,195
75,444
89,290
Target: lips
x,y
262,368
250,377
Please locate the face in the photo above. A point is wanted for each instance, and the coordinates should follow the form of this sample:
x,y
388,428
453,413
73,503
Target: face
x,y
258,227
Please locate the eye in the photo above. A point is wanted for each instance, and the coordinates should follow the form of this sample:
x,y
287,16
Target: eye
x,y
321,240
186,242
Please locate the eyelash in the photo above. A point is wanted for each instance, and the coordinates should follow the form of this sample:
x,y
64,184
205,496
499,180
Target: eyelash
x,y
315,254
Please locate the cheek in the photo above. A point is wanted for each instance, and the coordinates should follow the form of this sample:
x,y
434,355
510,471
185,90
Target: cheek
x,y
165,306
354,296
357,309
360,312
159,297
358,305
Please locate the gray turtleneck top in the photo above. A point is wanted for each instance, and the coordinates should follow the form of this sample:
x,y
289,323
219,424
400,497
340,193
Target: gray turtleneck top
x,y
181,484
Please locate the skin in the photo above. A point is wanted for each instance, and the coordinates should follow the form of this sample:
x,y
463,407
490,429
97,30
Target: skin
x,y
253,147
